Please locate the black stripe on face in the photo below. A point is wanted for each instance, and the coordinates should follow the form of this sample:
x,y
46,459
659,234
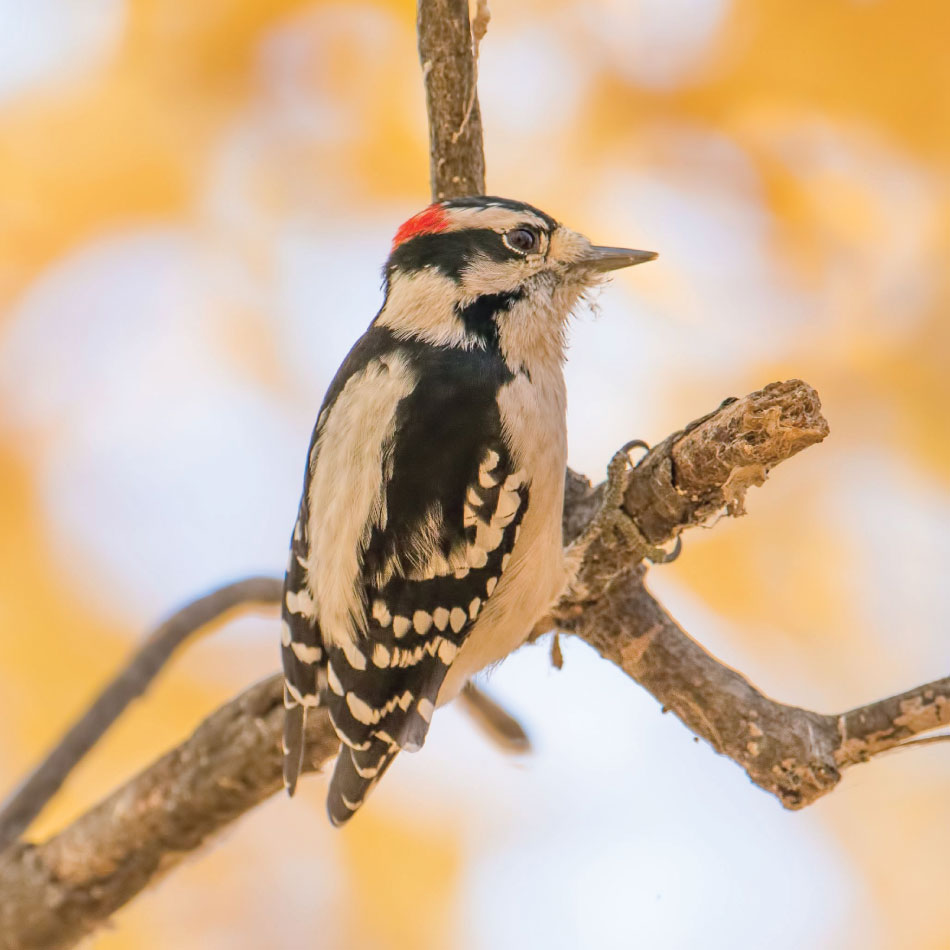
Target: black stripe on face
x,y
481,315
450,252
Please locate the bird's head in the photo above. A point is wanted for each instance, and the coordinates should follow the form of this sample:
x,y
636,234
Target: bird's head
x,y
492,273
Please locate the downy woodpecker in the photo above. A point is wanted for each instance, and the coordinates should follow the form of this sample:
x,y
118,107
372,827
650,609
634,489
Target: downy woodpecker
x,y
428,539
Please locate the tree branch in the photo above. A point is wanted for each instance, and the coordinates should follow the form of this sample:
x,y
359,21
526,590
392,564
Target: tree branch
x,y
19,810
232,762
447,54
56,893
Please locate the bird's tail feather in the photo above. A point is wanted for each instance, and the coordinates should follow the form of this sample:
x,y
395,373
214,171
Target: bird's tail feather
x,y
295,718
354,775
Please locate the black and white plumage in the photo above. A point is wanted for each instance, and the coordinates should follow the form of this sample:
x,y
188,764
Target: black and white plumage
x,y
428,539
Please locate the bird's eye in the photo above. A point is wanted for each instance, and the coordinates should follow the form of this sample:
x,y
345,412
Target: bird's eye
x,y
522,240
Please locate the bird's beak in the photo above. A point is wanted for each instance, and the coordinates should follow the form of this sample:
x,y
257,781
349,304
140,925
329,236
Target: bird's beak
x,y
613,258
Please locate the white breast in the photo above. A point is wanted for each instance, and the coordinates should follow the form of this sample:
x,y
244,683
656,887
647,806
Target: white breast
x,y
533,420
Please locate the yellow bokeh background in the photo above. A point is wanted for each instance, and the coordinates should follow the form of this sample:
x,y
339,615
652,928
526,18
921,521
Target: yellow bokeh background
x,y
220,178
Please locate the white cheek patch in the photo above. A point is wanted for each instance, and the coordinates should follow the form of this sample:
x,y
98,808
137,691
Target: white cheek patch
x,y
422,305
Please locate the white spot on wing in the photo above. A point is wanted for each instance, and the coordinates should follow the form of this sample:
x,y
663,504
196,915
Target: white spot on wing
x,y
486,479
284,633
304,653
447,652
508,504
490,585
369,772
303,699
400,626
488,537
300,603
426,709
421,621
354,656
367,715
361,710
440,617
380,656
333,681
474,606
457,618
381,613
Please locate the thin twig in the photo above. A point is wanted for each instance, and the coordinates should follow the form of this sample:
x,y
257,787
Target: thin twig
x,y
495,721
456,155
54,894
29,799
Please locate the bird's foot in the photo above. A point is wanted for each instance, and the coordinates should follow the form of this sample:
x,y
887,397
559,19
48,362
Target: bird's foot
x,y
613,520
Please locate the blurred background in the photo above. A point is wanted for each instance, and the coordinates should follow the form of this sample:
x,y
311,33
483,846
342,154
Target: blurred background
x,y
195,202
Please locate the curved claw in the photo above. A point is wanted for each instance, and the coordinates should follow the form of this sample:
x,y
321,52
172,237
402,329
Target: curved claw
x,y
636,444
659,556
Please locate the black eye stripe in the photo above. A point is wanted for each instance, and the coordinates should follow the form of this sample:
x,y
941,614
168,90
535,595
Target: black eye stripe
x,y
451,252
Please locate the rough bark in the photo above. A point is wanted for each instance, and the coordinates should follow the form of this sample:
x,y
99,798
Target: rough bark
x,y
447,53
54,894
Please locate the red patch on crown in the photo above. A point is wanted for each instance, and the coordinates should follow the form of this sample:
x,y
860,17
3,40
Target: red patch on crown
x,y
430,221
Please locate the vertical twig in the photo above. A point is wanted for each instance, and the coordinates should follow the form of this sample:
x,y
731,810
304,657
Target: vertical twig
x,y
447,53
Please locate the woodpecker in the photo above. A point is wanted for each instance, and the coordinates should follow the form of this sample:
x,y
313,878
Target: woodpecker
x,y
428,538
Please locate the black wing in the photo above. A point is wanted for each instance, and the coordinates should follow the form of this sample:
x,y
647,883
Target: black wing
x,y
453,505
